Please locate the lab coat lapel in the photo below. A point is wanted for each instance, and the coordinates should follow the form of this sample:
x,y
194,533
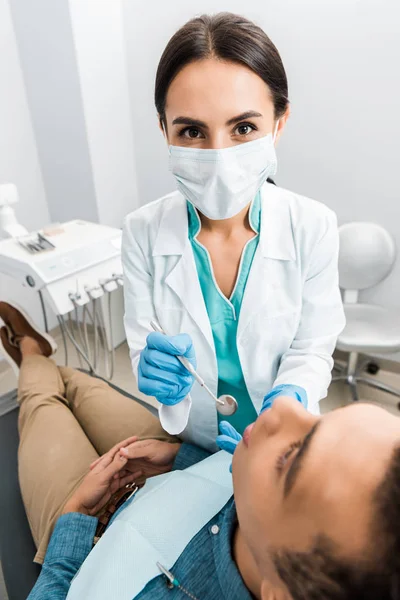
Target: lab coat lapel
x,y
276,243
173,239
184,281
255,293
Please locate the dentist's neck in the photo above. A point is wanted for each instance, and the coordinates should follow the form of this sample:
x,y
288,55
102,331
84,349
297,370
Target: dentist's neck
x,y
227,227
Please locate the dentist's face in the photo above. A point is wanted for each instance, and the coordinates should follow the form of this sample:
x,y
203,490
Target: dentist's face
x,y
216,104
297,476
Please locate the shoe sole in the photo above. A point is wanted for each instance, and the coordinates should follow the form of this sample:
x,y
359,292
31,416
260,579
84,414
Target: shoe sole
x,y
46,336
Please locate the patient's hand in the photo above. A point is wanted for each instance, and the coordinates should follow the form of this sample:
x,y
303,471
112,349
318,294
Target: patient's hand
x,y
147,458
107,476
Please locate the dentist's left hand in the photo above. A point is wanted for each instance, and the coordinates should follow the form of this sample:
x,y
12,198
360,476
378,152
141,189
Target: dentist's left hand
x,y
160,373
228,438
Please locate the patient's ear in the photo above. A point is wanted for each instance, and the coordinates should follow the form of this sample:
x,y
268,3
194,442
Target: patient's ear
x,y
271,592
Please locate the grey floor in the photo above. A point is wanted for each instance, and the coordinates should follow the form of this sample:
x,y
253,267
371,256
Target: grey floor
x,y
338,394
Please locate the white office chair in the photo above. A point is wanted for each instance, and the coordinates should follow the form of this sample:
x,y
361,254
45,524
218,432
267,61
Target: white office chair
x,y
366,257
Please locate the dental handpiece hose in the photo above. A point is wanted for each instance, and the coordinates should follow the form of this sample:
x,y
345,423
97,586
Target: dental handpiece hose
x,y
188,365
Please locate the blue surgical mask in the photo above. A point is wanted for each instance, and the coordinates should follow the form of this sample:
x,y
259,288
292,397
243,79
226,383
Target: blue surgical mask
x,y
220,183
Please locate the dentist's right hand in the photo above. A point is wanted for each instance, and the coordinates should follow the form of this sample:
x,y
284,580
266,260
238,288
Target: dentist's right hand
x,y
160,373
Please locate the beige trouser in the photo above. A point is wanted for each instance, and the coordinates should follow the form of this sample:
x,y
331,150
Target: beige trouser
x,y
67,419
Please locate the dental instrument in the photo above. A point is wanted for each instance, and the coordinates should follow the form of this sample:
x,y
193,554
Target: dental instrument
x,y
226,405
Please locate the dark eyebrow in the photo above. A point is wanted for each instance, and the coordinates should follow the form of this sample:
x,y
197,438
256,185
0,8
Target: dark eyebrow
x,y
250,114
298,461
189,121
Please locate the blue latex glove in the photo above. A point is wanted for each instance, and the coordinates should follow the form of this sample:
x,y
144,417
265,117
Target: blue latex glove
x,y
228,438
294,391
160,373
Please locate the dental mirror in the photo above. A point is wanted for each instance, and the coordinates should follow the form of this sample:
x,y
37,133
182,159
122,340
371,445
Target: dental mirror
x,y
226,405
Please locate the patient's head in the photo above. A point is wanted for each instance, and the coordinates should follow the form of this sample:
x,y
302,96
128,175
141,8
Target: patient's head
x,y
318,502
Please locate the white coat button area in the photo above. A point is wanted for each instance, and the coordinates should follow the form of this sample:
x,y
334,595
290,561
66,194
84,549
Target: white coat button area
x,y
215,529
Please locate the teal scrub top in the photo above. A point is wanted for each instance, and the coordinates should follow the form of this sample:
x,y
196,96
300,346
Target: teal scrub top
x,y
224,313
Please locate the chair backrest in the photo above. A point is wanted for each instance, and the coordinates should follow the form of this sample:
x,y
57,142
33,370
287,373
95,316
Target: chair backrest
x,y
366,257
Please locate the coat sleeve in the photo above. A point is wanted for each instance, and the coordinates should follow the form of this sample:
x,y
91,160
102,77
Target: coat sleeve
x,y
308,362
139,311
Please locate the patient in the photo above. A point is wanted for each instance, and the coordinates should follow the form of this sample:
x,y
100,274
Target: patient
x,y
316,508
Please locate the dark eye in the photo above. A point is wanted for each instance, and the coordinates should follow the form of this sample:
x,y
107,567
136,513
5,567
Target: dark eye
x,y
244,129
191,132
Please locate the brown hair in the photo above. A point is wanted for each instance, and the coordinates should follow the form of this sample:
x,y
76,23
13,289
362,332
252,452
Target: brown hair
x,y
224,36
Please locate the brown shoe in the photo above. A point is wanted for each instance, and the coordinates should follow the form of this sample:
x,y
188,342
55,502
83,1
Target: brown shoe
x,y
12,353
17,326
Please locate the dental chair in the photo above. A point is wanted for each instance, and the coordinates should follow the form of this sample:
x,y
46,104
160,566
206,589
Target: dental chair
x,y
17,548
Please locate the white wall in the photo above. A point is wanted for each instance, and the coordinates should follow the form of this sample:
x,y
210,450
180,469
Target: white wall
x,y
19,162
46,47
73,59
101,60
342,142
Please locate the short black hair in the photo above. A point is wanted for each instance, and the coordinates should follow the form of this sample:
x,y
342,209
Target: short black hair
x,y
320,575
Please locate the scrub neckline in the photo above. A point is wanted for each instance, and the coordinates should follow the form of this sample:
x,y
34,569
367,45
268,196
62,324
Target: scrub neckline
x,y
195,228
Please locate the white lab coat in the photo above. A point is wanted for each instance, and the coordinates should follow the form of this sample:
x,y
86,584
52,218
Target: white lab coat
x,y
291,312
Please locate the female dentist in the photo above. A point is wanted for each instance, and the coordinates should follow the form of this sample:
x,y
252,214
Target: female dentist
x,y
241,274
